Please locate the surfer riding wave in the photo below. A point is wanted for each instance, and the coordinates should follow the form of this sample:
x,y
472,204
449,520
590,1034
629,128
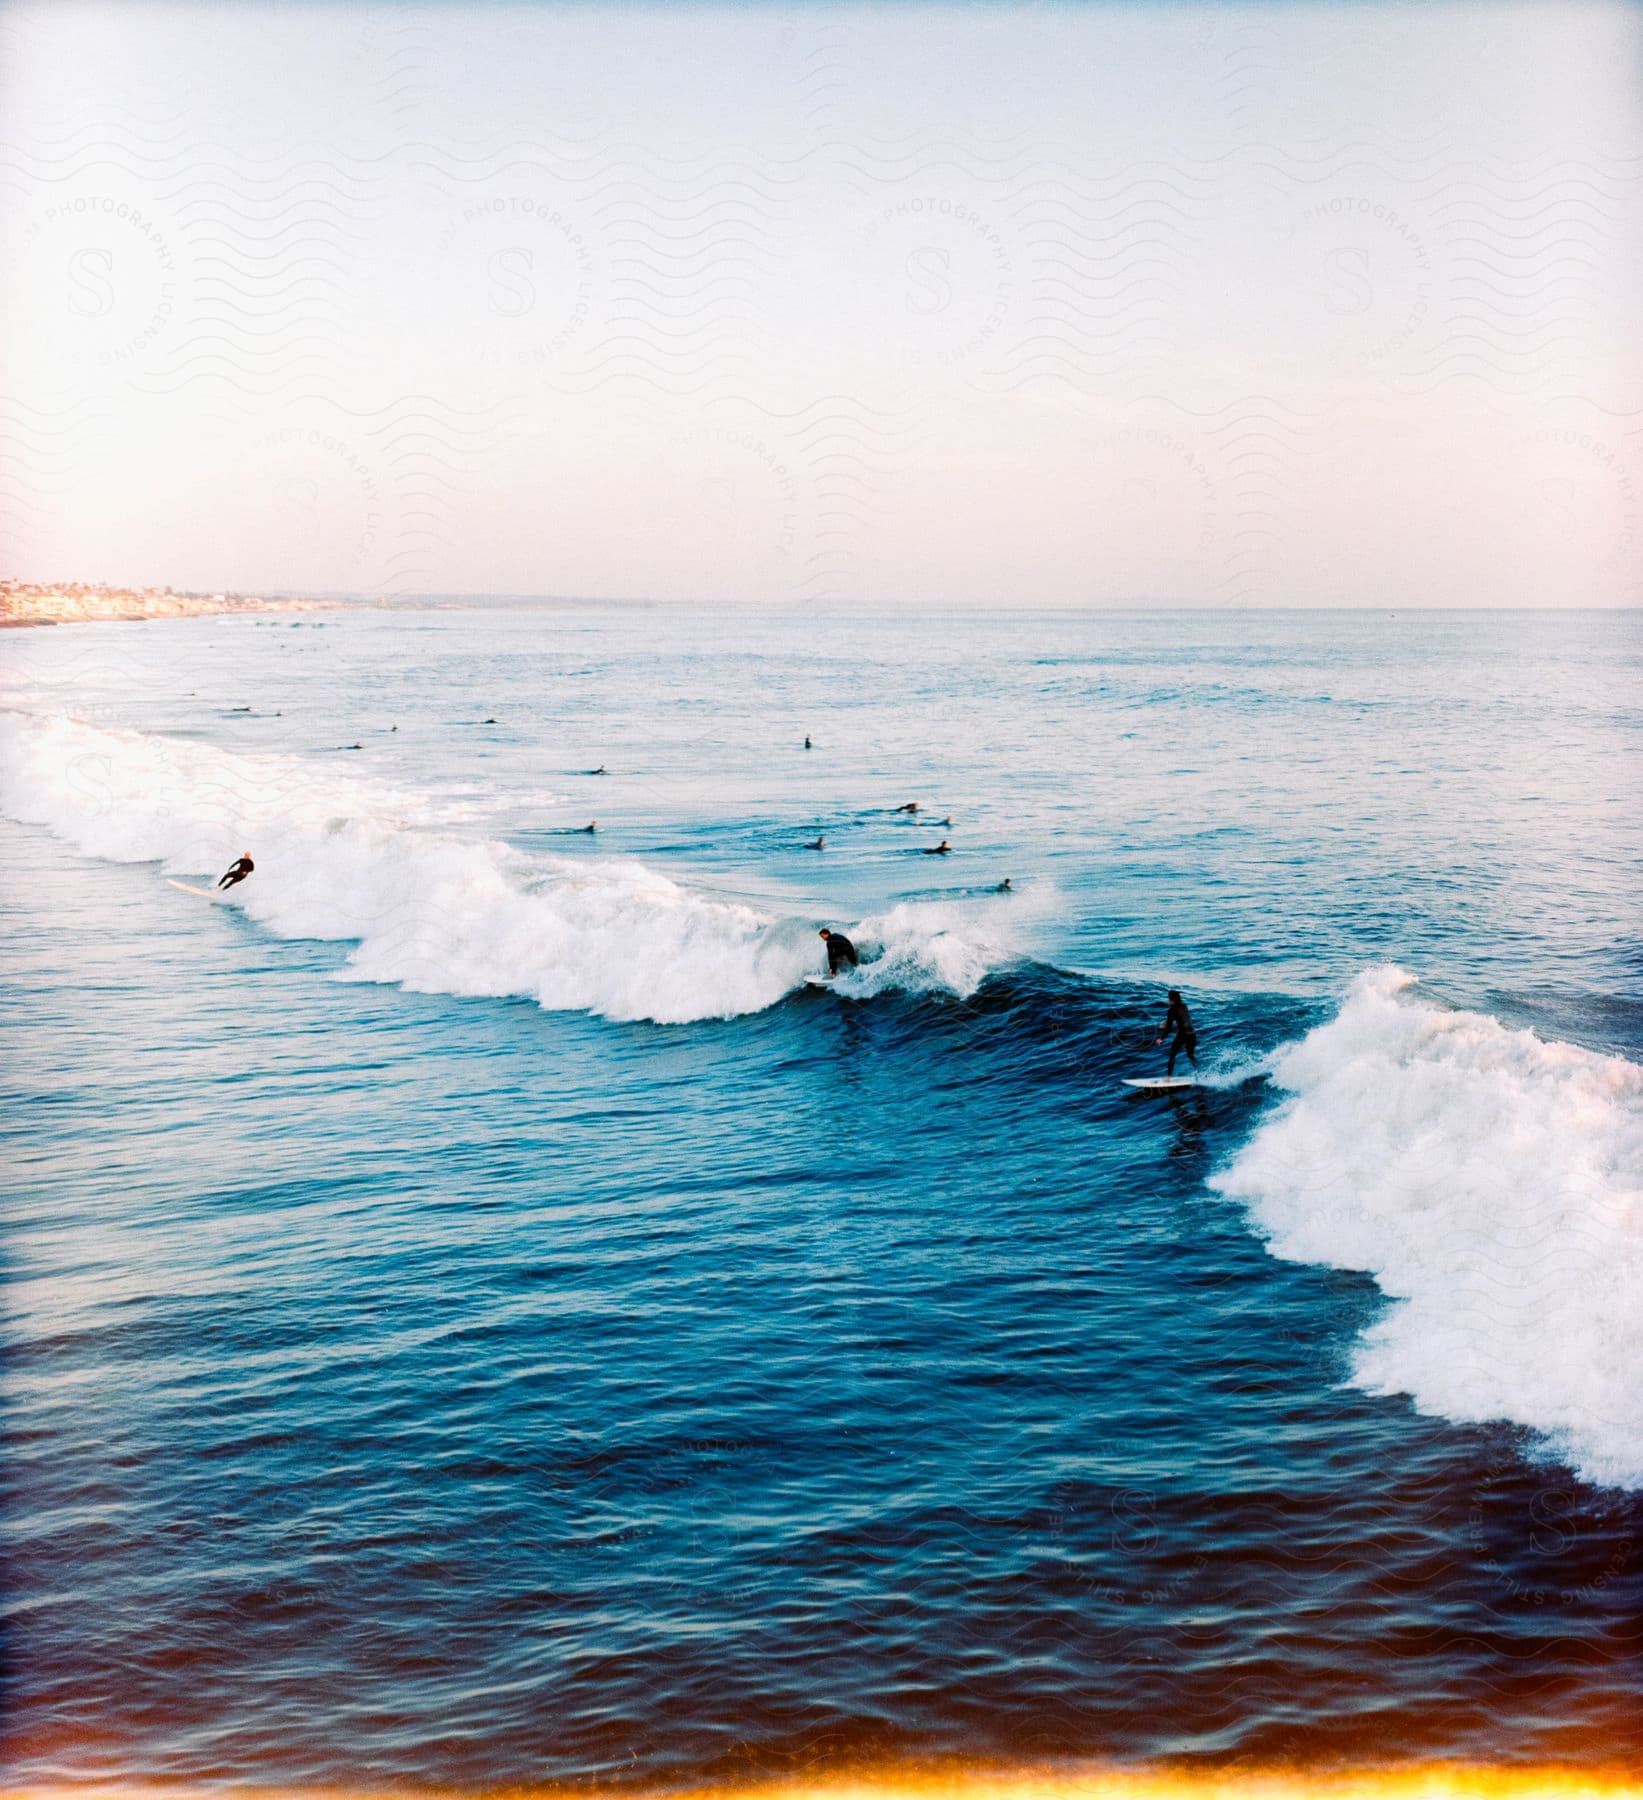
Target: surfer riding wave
x,y
1178,1018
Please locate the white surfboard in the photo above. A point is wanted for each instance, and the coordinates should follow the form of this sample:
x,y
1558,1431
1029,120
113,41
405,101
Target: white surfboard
x,y
821,981
1157,1083
204,893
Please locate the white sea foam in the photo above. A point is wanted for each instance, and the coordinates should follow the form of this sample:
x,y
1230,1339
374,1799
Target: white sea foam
x,y
344,858
1492,1183
932,946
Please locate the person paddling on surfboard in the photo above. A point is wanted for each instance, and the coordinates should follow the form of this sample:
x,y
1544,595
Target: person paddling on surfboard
x,y
237,871
1185,1037
841,953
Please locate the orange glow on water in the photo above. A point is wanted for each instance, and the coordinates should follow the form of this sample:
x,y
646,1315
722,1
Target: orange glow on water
x,y
1437,1781
1426,1781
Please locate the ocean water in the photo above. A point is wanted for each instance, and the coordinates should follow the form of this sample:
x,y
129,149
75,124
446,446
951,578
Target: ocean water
x,y
476,1316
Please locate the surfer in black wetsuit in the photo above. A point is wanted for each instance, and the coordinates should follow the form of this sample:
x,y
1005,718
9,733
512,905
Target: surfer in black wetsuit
x,y
237,871
841,953
1180,1020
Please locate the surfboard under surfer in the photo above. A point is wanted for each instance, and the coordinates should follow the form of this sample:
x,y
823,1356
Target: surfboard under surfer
x,y
1178,1019
237,871
841,953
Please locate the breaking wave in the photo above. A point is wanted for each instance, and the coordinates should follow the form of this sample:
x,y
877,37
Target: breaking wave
x,y
1492,1183
436,912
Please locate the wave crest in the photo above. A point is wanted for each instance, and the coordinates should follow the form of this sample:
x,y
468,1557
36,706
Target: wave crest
x,y
1492,1183
349,859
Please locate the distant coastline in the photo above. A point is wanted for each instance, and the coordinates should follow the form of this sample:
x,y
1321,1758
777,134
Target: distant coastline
x,y
80,602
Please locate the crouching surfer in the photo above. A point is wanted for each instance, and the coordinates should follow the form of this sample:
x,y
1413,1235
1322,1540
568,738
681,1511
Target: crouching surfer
x,y
841,953
237,871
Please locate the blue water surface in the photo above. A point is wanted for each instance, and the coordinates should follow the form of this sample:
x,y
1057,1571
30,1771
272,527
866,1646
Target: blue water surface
x,y
409,1386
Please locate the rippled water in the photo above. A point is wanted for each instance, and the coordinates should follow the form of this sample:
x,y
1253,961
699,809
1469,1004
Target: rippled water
x,y
476,1316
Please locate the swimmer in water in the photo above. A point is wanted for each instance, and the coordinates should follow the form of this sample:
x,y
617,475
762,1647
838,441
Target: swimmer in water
x,y
237,871
807,743
910,807
820,844
841,953
941,849
1004,887
591,826
1185,1037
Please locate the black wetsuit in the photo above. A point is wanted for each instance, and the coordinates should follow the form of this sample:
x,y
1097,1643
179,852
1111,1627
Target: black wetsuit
x,y
1185,1037
841,954
237,872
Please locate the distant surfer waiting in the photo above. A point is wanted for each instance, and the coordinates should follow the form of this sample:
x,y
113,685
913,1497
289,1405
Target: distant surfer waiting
x,y
1179,1020
841,953
237,871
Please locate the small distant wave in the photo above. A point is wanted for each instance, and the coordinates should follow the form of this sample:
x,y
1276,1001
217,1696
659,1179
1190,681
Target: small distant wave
x,y
344,858
1492,1183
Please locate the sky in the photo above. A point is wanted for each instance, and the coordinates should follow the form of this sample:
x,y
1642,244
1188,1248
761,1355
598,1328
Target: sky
x,y
1046,305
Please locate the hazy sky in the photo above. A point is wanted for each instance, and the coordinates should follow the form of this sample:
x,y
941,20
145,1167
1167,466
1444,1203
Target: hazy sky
x,y
1329,305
